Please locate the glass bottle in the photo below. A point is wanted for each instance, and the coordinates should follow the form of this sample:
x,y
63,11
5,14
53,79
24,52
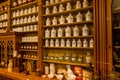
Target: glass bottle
x,y
62,43
91,43
79,43
68,31
47,11
85,31
60,32
88,58
76,31
68,6
62,20
47,33
79,17
57,43
61,8
85,43
80,58
74,43
69,18
78,4
68,43
53,32
48,22
54,9
88,16
61,57
54,21
67,57
51,43
85,3
73,58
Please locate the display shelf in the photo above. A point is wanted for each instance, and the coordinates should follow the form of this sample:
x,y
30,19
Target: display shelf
x,y
28,42
116,27
30,59
117,65
67,47
28,50
62,2
2,12
3,20
24,5
116,46
25,15
70,11
24,24
3,27
26,32
70,24
67,63
91,36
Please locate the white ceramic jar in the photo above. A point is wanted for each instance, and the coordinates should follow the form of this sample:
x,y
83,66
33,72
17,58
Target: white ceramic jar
x,y
91,43
29,19
52,68
61,8
48,22
34,9
46,42
79,17
54,21
21,12
29,10
52,1
68,31
62,43
85,43
88,16
25,11
76,31
79,43
60,32
25,19
68,6
54,9
47,11
85,3
53,32
18,13
34,19
74,43
68,43
69,18
47,33
57,43
88,58
47,2
85,31
51,43
78,5
46,70
62,20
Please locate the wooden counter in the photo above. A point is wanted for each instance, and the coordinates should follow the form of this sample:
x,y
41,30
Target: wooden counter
x,y
19,76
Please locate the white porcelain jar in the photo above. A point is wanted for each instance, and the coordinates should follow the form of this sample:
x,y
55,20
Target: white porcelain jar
x,y
91,43
76,31
29,10
21,20
47,33
62,20
25,11
68,43
57,43
68,6
69,18
34,9
21,12
60,32
51,43
62,43
61,8
52,68
88,16
14,22
31,28
29,19
68,31
18,13
54,9
14,14
25,20
34,19
18,21
79,43
35,27
85,3
47,2
85,43
79,17
48,22
28,28
47,11
56,1
19,2
5,15
46,70
53,32
74,43
54,21
46,42
52,1
78,5
85,31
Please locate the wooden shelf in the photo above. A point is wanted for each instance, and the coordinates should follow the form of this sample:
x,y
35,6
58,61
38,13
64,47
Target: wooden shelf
x,y
68,37
28,32
30,58
67,12
69,24
67,47
2,12
117,65
116,27
67,63
28,42
28,50
116,46
25,15
24,24
24,5
50,5
3,27
3,20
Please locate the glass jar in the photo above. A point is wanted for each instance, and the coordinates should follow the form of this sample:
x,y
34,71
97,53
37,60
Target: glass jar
x,y
73,58
24,1
18,13
51,1
29,10
25,19
79,43
51,43
61,56
20,2
67,57
6,7
80,58
45,56
56,56
88,58
47,2
25,11
34,19
29,19
34,9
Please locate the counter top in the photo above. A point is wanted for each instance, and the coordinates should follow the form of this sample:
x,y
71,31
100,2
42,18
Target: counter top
x,y
20,76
